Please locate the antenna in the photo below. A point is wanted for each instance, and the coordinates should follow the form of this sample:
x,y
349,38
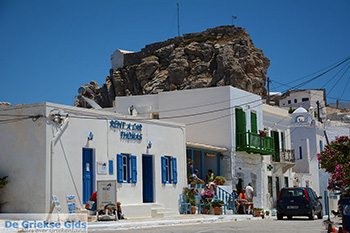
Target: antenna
x,y
178,19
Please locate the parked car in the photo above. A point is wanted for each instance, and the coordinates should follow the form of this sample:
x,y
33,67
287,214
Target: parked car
x,y
298,201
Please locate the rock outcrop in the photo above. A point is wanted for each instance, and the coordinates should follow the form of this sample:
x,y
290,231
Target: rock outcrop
x,y
216,57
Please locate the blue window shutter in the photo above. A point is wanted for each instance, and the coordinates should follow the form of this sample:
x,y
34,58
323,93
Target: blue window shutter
x,y
110,167
163,164
174,171
133,169
119,168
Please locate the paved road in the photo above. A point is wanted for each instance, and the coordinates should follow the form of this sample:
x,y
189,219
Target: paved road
x,y
297,224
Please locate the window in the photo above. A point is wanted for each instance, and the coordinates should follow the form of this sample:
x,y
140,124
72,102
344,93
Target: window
x,y
286,181
269,185
169,170
295,101
300,152
304,99
282,140
126,168
289,101
253,122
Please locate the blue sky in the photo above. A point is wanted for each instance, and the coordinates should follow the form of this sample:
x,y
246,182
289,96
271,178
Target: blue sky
x,y
49,48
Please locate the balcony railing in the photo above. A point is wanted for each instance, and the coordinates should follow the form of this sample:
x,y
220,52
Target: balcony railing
x,y
253,142
287,156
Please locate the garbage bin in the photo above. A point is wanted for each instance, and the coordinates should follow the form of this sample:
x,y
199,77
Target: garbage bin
x,y
345,206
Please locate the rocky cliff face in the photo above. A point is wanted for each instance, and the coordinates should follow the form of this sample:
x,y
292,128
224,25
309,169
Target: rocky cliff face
x,y
216,57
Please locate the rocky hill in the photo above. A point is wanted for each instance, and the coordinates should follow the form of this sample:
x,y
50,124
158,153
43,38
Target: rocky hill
x,y
216,57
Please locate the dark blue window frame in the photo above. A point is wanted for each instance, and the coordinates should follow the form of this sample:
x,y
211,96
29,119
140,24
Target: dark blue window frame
x,y
126,168
169,169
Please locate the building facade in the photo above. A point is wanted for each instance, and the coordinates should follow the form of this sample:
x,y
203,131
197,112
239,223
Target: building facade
x,y
277,166
222,130
60,150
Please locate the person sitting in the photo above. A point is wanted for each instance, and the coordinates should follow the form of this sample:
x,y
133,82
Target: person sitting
x,y
210,181
242,199
195,174
234,200
119,211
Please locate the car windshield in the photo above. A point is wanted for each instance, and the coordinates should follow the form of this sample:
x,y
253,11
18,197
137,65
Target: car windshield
x,y
292,193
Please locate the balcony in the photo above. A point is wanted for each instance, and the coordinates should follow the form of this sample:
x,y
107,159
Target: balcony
x,y
254,143
284,159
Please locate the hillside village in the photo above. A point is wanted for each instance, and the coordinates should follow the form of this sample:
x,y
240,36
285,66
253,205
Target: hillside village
x,y
200,98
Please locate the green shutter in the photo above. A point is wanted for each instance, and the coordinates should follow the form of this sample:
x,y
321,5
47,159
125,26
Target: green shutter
x,y
240,121
253,123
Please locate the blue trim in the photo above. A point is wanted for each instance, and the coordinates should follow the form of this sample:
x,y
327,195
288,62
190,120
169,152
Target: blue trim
x,y
163,168
133,169
202,164
110,167
192,169
174,166
119,168
219,163
147,179
191,149
88,175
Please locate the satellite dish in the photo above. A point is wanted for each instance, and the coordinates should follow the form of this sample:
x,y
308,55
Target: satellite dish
x,y
84,90
92,103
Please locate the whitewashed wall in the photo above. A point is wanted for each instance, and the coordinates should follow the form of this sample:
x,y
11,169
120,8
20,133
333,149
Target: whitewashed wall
x,y
27,162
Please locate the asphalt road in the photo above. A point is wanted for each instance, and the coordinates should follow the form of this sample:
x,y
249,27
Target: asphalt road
x,y
297,224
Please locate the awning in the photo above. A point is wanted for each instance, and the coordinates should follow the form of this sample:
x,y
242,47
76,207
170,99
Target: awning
x,y
206,147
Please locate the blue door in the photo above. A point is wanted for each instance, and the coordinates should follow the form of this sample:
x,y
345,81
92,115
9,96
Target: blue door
x,y
88,174
147,178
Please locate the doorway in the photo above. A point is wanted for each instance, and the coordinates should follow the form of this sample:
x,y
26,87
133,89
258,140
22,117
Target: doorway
x,y
147,178
88,174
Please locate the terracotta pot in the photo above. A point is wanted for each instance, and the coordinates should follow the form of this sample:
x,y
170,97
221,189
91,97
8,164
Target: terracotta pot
x,y
262,216
205,211
193,209
257,213
217,210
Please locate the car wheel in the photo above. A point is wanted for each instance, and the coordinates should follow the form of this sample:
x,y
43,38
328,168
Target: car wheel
x,y
279,216
312,214
320,215
290,217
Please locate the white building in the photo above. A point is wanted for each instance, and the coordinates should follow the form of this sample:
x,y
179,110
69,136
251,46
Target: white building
x,y
306,99
307,141
222,126
278,166
117,58
50,149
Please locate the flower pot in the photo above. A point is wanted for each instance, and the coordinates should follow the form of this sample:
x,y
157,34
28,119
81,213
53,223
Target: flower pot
x,y
193,209
262,216
257,213
205,211
217,210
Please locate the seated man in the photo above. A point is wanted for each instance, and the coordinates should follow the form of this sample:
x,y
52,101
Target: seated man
x,y
235,197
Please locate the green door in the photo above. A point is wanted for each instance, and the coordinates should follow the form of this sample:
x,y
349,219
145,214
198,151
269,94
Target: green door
x,y
276,157
241,139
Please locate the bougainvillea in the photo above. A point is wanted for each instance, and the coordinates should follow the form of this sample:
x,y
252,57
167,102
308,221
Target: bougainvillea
x,y
335,159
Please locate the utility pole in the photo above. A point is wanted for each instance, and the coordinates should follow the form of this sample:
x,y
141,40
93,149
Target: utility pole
x,y
178,19
318,111
268,91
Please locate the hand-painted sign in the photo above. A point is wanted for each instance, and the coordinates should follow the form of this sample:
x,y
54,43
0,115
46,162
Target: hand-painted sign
x,y
131,131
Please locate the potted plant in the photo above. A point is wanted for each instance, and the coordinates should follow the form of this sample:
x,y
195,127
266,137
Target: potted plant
x,y
262,214
257,212
220,180
207,196
217,206
197,181
193,205
262,133
207,206
267,213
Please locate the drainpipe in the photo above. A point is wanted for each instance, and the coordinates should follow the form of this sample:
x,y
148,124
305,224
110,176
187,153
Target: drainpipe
x,y
57,134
